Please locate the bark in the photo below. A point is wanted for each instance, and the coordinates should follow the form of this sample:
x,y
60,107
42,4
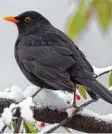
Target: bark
x,y
79,122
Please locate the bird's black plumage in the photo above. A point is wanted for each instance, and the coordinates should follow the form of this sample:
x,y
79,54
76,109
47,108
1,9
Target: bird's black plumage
x,y
48,58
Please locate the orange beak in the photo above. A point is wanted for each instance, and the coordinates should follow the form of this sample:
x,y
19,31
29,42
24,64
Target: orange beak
x,y
11,19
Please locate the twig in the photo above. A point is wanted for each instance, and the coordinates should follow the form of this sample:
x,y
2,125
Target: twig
x,y
4,129
87,103
103,73
36,92
18,125
31,96
59,125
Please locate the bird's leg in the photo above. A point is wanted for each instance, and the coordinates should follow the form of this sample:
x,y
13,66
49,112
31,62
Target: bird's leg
x,y
74,100
74,105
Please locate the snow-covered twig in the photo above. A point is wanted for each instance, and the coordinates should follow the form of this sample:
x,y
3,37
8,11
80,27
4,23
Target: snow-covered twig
x,y
45,102
2,131
88,102
102,71
25,110
36,92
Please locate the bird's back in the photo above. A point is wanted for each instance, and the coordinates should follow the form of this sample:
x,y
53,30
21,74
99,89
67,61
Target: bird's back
x,y
51,36
77,54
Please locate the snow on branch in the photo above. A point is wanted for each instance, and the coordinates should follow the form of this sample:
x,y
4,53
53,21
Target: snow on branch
x,y
46,105
9,111
87,121
102,71
50,114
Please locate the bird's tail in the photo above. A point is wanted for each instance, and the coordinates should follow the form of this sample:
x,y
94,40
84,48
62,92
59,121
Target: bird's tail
x,y
92,95
102,91
97,88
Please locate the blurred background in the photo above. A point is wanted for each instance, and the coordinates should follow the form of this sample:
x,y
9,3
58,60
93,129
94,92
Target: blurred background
x,y
87,22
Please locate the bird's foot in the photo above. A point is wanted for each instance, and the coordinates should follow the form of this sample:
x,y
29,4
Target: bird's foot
x,y
73,106
72,110
69,110
63,110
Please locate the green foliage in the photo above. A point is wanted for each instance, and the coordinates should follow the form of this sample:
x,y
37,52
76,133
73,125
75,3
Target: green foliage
x,y
80,18
14,124
30,128
82,91
77,21
110,79
104,13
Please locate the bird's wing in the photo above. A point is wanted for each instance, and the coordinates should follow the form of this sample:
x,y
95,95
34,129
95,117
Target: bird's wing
x,y
49,63
82,71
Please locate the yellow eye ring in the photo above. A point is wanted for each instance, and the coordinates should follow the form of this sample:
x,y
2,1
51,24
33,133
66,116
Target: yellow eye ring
x,y
27,19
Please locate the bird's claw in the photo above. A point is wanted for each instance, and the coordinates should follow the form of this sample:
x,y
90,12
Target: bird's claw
x,y
62,110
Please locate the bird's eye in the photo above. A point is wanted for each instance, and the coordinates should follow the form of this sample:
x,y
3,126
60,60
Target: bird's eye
x,y
27,19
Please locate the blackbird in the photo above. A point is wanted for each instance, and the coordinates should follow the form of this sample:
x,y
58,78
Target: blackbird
x,y
49,58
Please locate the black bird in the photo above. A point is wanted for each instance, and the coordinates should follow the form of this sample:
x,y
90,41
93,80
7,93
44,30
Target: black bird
x,y
50,59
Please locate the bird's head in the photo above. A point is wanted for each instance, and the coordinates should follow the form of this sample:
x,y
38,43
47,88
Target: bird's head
x,y
27,20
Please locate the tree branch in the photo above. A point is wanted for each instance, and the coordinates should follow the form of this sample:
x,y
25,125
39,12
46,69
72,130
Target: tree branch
x,y
80,122
67,119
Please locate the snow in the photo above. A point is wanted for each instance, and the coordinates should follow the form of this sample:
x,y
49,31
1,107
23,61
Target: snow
x,y
29,91
110,88
46,98
25,109
106,118
7,116
47,128
14,93
98,71
67,97
12,106
70,112
1,124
